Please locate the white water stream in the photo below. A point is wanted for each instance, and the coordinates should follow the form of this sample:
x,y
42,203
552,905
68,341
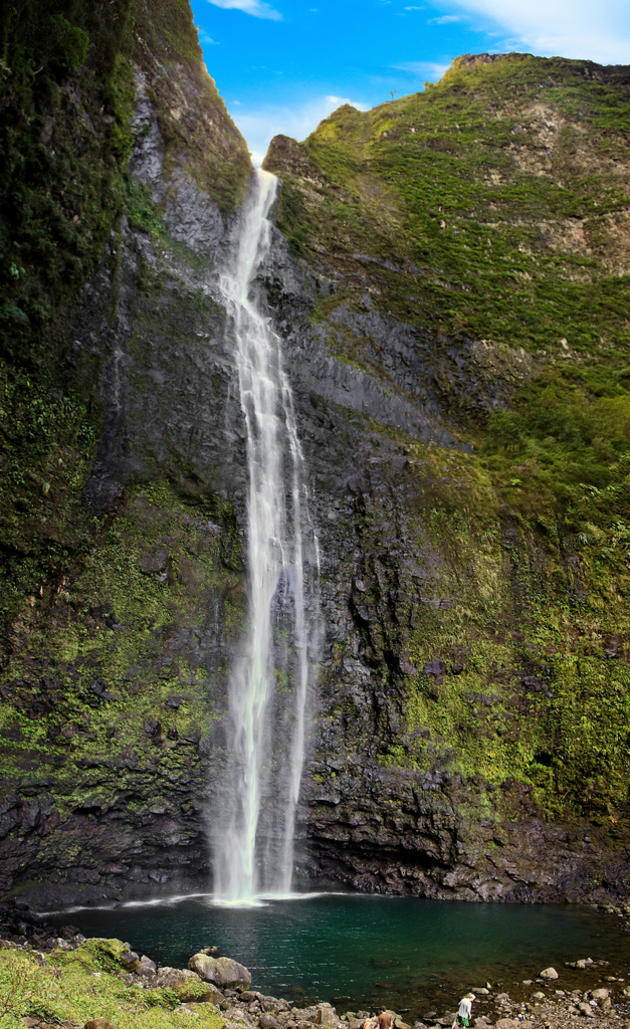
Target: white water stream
x,y
271,678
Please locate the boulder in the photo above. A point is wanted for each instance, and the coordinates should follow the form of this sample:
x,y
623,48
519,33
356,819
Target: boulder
x,y
146,967
325,1014
270,1003
188,985
269,1021
549,973
130,960
220,971
600,994
99,1023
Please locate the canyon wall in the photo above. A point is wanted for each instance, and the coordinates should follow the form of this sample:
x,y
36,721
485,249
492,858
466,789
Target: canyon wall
x,y
449,278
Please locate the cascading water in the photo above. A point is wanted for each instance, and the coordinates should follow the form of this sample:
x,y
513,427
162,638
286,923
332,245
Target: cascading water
x,y
269,684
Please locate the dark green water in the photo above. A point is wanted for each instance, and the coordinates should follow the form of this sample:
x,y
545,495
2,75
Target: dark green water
x,y
358,951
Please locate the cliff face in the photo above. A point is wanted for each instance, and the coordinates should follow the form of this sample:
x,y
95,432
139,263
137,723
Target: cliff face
x,y
448,277
122,553
465,254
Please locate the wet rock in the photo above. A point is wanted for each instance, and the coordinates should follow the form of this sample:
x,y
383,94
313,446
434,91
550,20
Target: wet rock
x,y
612,647
273,1004
601,993
503,998
220,971
549,973
205,746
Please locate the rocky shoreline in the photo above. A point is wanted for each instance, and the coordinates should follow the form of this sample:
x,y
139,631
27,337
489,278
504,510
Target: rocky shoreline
x,y
218,991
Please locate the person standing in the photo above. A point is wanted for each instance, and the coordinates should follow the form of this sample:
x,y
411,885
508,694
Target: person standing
x,y
463,1015
384,1019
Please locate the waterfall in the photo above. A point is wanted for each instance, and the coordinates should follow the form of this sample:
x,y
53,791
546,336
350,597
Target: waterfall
x,y
271,677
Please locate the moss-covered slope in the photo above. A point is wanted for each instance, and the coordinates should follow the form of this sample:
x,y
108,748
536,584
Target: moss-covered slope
x,y
67,79
468,248
113,562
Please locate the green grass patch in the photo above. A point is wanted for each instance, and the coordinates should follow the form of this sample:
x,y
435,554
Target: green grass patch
x,y
87,983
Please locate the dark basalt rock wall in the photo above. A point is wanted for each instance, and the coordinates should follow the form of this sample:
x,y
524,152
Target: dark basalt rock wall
x,y
428,770
368,821
115,665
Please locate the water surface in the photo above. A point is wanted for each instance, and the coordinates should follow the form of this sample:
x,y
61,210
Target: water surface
x,y
358,951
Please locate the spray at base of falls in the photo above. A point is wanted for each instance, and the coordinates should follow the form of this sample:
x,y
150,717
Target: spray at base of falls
x,y
272,674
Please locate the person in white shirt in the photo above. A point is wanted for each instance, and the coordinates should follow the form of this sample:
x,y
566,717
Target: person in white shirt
x,y
463,1015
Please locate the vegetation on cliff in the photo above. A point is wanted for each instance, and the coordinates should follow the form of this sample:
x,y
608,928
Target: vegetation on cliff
x,y
489,214
488,217
66,94
93,600
67,80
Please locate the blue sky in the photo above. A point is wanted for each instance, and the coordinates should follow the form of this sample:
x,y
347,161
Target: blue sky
x,y
282,66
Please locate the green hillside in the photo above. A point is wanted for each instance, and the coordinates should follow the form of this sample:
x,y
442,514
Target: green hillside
x,y
490,214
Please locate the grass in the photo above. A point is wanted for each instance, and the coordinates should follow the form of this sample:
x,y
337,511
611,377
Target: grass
x,y
87,983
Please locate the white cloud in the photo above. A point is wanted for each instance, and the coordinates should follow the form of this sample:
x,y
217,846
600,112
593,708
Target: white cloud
x,y
444,19
259,126
567,28
254,7
426,71
205,38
